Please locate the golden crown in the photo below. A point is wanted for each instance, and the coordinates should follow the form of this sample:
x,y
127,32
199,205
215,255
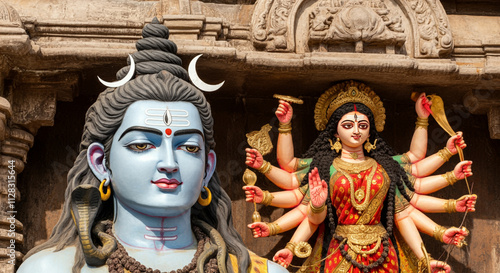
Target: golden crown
x,y
345,92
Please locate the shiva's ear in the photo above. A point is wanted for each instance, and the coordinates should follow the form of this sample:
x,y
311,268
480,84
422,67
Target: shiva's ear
x,y
210,167
97,161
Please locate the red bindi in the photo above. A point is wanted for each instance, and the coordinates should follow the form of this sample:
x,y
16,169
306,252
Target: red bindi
x,y
168,131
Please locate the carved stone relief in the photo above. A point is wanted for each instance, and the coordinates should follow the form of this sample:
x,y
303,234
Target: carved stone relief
x,y
417,28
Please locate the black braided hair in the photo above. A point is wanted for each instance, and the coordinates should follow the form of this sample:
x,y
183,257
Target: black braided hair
x,y
322,155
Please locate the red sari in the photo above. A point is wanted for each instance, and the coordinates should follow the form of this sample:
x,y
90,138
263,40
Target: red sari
x,y
350,218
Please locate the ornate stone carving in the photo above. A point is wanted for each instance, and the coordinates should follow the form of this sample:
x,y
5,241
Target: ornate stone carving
x,y
358,22
13,38
418,28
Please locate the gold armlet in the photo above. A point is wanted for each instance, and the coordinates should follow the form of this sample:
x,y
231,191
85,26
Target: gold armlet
x,y
285,128
267,199
450,177
445,154
422,123
265,168
301,249
274,228
438,233
450,206
315,209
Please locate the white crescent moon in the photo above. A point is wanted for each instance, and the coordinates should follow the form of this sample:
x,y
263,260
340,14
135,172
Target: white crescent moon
x,y
197,81
123,81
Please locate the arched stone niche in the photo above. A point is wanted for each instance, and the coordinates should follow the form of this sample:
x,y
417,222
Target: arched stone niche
x,y
415,28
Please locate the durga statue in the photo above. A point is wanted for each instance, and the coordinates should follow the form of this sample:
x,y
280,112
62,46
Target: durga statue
x,y
366,202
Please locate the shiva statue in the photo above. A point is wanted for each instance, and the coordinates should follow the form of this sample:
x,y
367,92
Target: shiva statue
x,y
143,194
366,201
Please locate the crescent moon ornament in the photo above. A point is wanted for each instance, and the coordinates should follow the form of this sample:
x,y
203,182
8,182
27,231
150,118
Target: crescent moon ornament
x,y
197,81
123,81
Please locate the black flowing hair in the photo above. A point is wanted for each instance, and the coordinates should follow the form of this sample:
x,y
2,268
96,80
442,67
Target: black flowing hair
x,y
322,154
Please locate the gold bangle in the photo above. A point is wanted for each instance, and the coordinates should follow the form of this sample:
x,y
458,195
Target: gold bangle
x,y
265,168
445,154
450,206
315,209
450,177
285,128
267,198
303,250
438,233
422,123
274,228
291,246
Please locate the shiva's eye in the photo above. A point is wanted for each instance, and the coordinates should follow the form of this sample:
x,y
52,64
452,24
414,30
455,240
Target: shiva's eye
x,y
140,147
190,148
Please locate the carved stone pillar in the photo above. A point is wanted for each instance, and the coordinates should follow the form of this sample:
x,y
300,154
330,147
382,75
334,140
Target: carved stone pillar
x,y
14,146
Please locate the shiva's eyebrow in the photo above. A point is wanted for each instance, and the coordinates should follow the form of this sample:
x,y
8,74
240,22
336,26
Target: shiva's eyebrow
x,y
189,131
143,129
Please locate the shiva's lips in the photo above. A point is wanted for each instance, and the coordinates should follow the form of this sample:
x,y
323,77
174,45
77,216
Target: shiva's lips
x,y
167,184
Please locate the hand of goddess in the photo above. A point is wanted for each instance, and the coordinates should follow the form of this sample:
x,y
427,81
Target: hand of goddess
x,y
253,158
422,106
466,202
284,112
253,194
463,170
439,267
259,229
457,140
283,257
455,236
318,189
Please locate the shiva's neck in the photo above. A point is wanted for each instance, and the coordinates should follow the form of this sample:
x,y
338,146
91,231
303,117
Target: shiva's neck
x,y
139,230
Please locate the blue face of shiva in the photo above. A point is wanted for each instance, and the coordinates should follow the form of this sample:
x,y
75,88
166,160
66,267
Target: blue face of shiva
x,y
158,158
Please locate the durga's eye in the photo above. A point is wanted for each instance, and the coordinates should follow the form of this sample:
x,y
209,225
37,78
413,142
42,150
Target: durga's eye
x,y
140,147
190,148
347,125
363,126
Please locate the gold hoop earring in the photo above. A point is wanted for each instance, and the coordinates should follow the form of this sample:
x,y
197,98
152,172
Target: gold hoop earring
x,y
105,196
205,202
369,146
337,146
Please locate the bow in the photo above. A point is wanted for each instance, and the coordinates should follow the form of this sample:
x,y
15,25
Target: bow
x,y
437,111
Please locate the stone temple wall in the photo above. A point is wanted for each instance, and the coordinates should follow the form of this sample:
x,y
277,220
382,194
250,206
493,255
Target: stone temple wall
x,y
52,51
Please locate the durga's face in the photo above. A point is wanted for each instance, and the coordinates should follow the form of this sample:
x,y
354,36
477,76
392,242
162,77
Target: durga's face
x,y
353,129
157,157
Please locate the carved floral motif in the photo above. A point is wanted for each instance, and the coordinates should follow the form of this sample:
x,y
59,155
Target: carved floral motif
x,y
354,21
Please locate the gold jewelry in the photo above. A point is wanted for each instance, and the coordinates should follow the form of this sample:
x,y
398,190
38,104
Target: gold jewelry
x,y
450,177
369,146
317,210
291,246
303,250
285,128
267,198
360,236
422,123
353,155
105,196
450,206
265,168
354,168
445,154
205,202
274,228
289,99
345,92
359,194
260,140
438,233
337,146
